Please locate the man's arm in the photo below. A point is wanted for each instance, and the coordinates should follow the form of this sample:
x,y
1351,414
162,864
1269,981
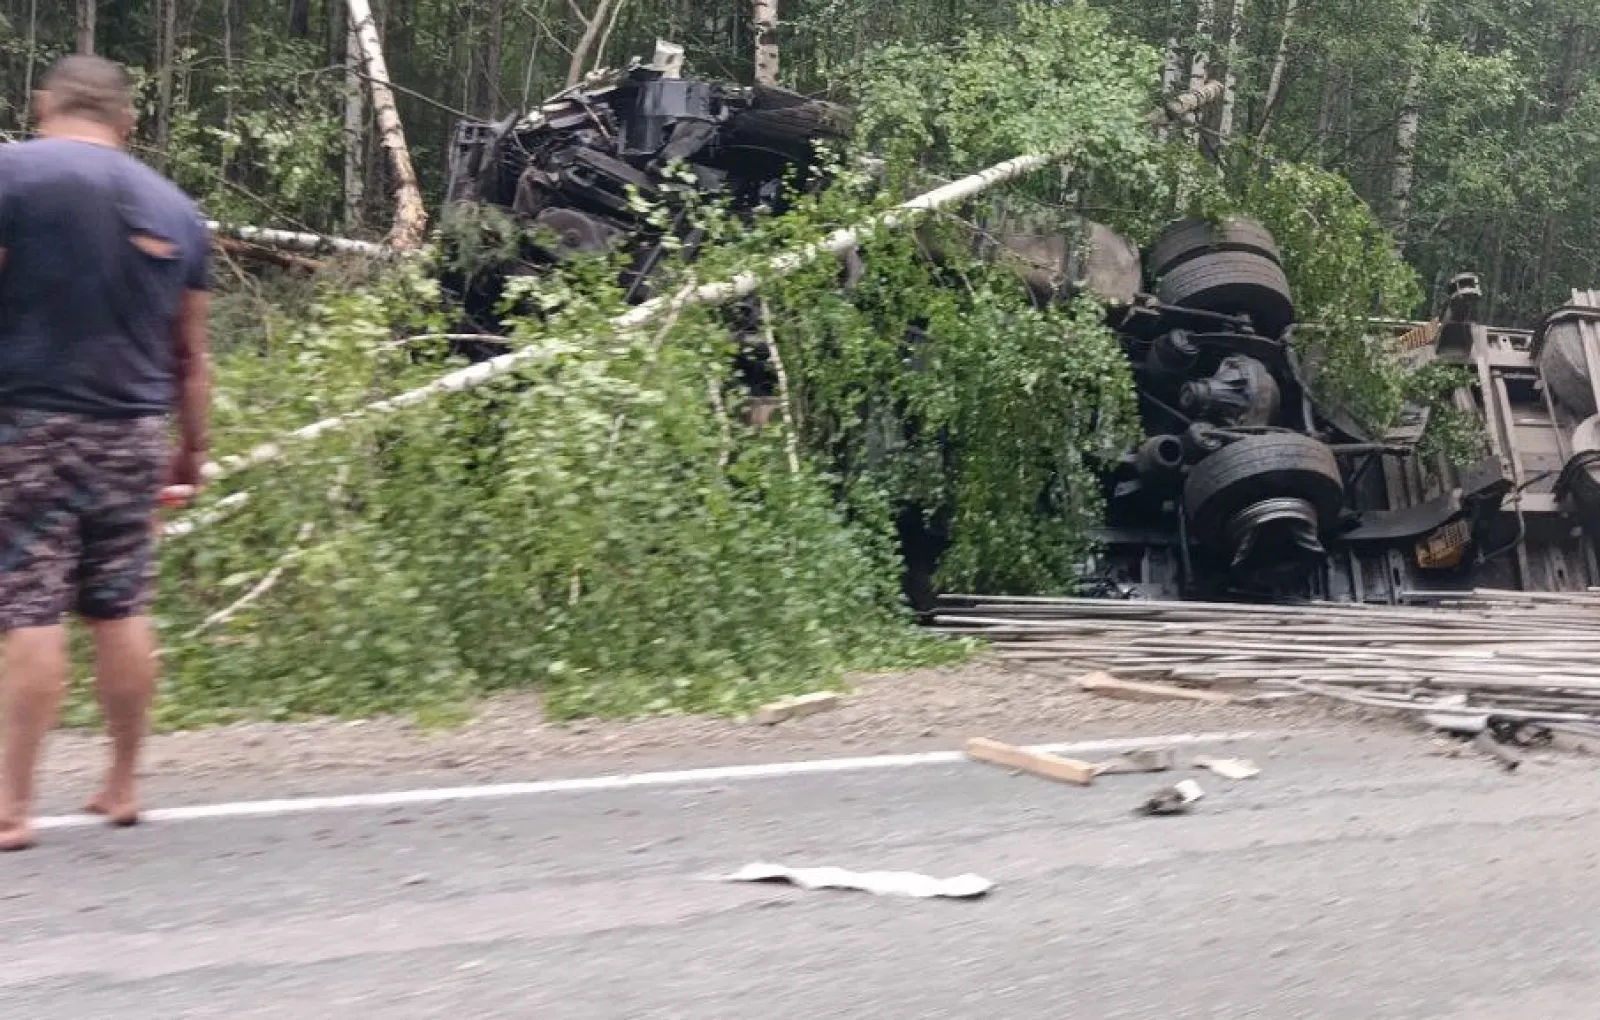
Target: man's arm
x,y
193,363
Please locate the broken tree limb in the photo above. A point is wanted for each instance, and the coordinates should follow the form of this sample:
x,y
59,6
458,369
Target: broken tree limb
x,y
294,240
741,285
262,253
791,424
410,217
260,588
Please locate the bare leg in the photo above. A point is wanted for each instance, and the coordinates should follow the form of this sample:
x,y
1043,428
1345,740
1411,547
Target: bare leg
x,y
125,680
34,680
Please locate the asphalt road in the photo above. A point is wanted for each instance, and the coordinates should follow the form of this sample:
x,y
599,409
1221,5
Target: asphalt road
x,y
1357,878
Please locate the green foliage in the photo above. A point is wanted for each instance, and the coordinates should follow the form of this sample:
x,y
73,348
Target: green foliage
x,y
271,130
945,390
576,527
1062,82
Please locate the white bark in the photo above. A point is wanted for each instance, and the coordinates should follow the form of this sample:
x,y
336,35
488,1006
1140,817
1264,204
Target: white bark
x,y
592,24
1172,70
1200,61
1405,140
766,25
1280,67
290,240
905,214
1231,76
355,135
410,218
791,423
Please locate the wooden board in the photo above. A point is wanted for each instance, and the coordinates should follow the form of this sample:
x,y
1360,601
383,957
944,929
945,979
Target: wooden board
x,y
1045,766
1106,685
797,707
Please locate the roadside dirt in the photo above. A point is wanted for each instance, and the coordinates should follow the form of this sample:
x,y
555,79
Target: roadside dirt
x,y
509,737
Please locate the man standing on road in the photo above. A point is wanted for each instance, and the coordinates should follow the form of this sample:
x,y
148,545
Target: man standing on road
x,y
103,297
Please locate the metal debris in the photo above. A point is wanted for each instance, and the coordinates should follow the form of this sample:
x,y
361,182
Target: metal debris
x,y
1143,759
1506,756
1174,800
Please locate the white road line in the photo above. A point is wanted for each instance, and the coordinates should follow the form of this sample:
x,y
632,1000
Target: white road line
x,y
599,784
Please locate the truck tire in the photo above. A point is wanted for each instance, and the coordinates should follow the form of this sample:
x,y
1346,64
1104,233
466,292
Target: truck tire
x,y
1257,468
788,120
1188,239
1562,365
1232,283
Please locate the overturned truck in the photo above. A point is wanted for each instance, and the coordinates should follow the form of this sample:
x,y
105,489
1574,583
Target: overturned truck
x,y
1244,486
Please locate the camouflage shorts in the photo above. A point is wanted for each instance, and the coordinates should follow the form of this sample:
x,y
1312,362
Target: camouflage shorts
x,y
77,504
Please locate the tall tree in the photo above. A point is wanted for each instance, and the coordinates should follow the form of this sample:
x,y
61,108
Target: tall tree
x,y
355,134
86,25
166,72
1230,99
1405,141
410,216
1280,67
594,22
766,30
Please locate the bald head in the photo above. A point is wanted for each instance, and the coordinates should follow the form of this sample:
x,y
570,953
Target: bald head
x,y
86,90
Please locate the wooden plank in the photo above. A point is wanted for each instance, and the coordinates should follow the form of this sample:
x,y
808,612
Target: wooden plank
x,y
798,707
1108,686
1045,766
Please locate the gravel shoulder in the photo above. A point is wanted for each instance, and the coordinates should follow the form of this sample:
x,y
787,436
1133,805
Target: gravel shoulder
x,y
509,738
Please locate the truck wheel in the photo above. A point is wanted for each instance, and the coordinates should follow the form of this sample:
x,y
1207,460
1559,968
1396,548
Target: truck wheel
x,y
787,120
1232,283
1561,363
1188,239
1257,468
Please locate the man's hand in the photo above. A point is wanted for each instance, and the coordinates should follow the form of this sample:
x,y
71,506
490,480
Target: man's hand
x,y
185,476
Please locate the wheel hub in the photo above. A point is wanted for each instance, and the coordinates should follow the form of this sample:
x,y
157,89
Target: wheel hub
x,y
1275,533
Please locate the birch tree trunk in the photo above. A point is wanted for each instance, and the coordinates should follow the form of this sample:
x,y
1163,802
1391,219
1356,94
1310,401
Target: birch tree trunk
x,y
32,58
1172,70
766,25
1280,67
410,218
1405,139
86,20
491,94
166,58
1231,77
355,135
1200,62
592,24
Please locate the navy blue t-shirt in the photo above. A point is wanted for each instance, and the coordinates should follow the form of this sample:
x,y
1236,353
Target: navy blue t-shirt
x,y
86,316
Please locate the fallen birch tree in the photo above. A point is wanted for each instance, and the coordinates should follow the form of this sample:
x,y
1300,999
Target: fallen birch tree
x,y
410,217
